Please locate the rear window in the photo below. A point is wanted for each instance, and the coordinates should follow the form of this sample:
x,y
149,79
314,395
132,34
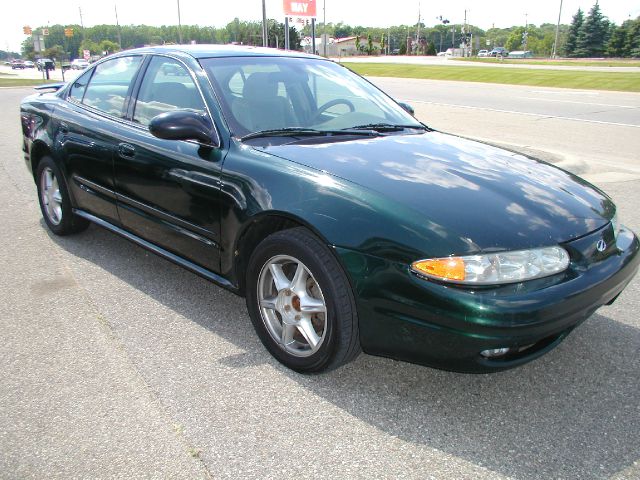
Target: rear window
x,y
110,83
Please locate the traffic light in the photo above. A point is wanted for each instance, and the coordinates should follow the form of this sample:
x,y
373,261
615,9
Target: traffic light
x,y
27,30
68,32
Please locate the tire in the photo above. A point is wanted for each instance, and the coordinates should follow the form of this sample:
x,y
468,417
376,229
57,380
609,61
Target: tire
x,y
308,294
54,200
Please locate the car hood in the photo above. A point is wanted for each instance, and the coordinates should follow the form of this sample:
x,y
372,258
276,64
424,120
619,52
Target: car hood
x,y
491,198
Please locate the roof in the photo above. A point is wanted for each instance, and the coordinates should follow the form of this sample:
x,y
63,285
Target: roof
x,y
344,39
212,50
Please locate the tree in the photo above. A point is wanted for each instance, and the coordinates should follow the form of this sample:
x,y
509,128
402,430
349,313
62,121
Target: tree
x,y
617,45
90,45
358,46
370,47
109,47
572,36
403,47
633,38
514,41
383,45
592,36
431,49
55,52
341,30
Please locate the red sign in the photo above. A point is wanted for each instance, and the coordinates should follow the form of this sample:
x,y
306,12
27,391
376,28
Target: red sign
x,y
300,8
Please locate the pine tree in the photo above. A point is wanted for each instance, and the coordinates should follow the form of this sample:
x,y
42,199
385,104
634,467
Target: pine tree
x,y
617,45
592,36
633,39
572,36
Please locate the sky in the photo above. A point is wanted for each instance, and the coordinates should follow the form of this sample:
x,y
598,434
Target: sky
x,y
375,13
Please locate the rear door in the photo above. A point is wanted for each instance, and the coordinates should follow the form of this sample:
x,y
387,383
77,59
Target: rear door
x,y
168,190
88,126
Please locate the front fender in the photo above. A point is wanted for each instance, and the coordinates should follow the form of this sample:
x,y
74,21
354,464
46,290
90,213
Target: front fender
x,y
346,215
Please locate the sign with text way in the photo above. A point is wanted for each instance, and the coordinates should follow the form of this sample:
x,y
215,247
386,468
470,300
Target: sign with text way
x,y
300,8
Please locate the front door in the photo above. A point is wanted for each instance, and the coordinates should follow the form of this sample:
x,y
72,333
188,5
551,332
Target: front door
x,y
168,190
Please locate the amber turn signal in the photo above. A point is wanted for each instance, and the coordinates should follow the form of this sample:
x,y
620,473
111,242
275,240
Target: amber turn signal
x,y
451,268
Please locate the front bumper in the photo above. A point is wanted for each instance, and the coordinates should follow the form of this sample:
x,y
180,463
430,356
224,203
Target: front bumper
x,y
412,319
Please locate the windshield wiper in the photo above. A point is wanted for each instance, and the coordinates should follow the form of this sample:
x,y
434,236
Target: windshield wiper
x,y
296,131
385,127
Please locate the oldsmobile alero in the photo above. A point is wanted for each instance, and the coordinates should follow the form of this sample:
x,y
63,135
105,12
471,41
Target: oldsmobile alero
x,y
346,223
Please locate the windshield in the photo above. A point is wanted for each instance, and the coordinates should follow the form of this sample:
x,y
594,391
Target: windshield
x,y
271,93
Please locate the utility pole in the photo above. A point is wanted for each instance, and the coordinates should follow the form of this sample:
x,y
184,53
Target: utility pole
x,y
324,28
286,33
526,32
81,22
118,26
464,35
179,24
418,31
265,30
555,44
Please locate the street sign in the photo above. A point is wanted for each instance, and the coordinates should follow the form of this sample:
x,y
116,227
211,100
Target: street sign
x,y
68,32
300,8
27,30
45,31
86,54
38,43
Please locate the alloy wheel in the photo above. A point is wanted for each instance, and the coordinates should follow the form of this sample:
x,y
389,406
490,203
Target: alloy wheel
x,y
51,196
292,305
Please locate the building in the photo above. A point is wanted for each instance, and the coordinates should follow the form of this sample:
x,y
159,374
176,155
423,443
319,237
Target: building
x,y
339,47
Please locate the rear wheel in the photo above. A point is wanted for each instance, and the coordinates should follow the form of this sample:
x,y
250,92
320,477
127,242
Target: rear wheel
x,y
54,200
301,303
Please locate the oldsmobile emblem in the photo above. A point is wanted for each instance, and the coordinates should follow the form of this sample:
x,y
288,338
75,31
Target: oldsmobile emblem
x,y
601,246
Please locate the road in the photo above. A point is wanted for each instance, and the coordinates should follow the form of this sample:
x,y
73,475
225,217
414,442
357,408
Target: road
x,y
443,61
592,133
116,363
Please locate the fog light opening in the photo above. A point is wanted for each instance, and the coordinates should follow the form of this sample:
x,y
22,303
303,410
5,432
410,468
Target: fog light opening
x,y
495,352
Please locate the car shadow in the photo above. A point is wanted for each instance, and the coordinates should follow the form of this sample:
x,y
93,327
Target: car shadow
x,y
571,414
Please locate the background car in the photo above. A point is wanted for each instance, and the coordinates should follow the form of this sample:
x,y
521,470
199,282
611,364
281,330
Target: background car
x,y
17,65
345,222
45,64
521,54
29,64
499,52
483,53
79,64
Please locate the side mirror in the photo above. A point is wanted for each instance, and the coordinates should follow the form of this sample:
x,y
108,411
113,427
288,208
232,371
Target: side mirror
x,y
408,108
184,125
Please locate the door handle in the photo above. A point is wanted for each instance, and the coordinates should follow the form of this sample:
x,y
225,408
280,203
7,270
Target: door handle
x,y
126,150
64,128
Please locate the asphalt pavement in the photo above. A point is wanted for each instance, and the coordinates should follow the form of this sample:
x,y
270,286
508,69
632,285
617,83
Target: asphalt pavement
x,y
117,364
445,61
593,133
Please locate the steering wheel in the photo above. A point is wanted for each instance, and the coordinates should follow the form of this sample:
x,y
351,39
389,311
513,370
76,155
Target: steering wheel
x,y
329,104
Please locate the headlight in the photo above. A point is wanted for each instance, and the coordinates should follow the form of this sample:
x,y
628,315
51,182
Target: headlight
x,y
495,268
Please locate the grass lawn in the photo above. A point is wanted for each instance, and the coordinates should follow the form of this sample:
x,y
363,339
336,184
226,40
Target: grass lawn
x,y
21,82
543,61
617,81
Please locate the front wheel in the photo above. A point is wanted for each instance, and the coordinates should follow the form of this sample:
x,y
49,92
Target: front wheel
x,y
54,200
300,302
